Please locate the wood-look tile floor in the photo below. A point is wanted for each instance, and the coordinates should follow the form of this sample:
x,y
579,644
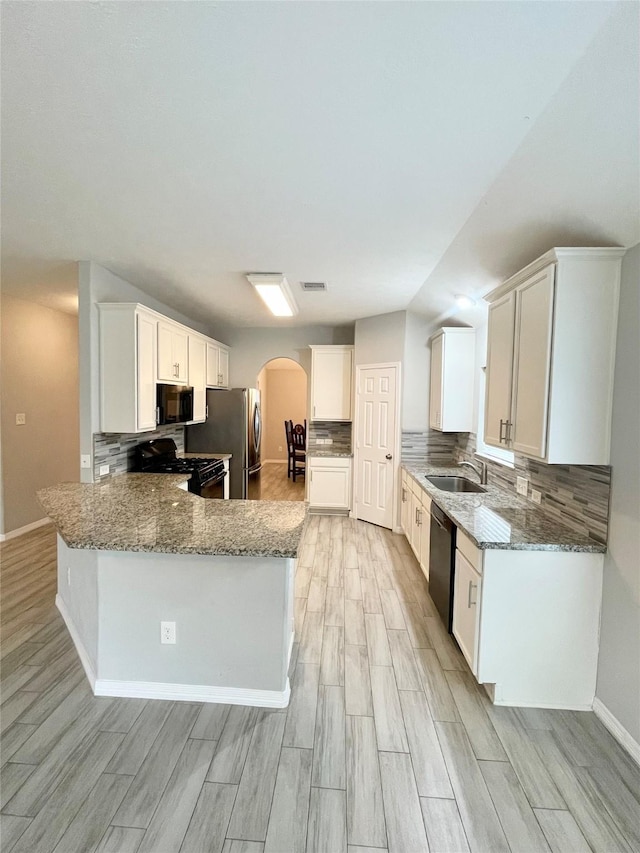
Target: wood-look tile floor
x,y
276,486
388,743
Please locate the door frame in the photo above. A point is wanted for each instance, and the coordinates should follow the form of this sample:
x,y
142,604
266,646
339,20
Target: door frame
x,y
397,443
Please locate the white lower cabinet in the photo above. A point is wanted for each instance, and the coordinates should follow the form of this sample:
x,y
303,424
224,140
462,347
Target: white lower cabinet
x,y
466,609
329,484
416,511
425,534
405,503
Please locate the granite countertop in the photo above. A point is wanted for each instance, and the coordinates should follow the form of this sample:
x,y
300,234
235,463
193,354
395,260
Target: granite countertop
x,y
222,456
314,451
496,519
149,512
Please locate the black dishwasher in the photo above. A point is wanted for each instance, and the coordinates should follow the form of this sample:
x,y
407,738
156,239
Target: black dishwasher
x,y
442,554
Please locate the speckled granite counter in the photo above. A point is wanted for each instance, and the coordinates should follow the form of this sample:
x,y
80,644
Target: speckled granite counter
x,y
496,519
149,512
223,456
324,453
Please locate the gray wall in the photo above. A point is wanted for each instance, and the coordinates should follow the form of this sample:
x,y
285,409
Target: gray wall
x,y
252,348
380,339
40,378
619,662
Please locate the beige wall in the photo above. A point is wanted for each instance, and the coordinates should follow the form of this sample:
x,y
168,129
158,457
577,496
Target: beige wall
x,y
285,396
40,378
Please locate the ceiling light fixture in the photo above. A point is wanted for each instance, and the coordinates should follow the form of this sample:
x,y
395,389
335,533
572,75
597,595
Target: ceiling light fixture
x,y
463,301
273,289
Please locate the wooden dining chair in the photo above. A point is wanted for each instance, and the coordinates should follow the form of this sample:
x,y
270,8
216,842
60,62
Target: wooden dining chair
x,y
299,441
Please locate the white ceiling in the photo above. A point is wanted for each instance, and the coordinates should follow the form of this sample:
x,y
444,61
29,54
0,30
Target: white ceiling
x,y
184,144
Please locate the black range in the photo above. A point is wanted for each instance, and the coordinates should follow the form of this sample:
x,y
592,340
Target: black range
x,y
159,456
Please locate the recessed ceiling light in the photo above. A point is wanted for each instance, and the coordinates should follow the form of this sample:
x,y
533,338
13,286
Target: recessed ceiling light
x,y
274,291
463,301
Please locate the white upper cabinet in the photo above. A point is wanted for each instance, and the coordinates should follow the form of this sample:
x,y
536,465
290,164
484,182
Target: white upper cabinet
x,y
331,383
217,365
550,357
198,376
499,368
172,353
128,336
452,380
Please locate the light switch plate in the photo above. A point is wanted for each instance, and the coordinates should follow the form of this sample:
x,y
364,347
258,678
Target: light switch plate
x,y
522,486
85,460
535,496
21,419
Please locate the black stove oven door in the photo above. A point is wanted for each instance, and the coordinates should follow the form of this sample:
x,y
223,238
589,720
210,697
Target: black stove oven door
x,y
214,488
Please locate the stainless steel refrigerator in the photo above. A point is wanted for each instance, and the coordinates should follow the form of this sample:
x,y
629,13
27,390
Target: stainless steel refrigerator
x,y
233,426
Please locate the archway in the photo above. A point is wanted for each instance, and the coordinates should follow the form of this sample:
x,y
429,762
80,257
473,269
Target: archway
x,y
282,383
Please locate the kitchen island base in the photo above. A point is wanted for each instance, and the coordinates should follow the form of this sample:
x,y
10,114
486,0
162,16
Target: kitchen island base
x,y
233,623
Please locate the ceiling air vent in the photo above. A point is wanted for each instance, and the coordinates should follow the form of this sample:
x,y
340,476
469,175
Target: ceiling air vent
x,y
313,286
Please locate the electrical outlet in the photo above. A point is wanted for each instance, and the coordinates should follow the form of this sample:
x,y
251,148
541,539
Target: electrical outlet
x,y
522,486
85,460
279,448
535,496
21,419
104,469
68,575
168,632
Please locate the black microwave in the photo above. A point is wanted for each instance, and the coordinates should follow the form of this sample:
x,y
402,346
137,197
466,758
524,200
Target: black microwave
x,y
174,404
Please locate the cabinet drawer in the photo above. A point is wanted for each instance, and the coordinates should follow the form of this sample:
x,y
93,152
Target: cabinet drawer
x,y
470,551
329,462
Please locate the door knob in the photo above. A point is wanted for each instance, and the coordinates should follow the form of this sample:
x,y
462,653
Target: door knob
x,y
388,456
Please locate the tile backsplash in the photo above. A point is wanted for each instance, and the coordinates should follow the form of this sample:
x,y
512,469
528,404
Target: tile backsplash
x,y
437,447
338,431
575,495
117,449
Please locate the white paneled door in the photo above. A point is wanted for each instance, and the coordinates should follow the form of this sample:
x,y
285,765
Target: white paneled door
x,y
376,443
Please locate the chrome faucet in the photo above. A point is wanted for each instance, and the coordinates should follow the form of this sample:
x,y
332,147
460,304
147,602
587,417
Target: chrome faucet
x,y
481,471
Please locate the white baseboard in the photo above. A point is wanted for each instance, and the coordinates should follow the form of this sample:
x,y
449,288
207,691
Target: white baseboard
x,y
20,530
77,642
174,692
616,728
193,693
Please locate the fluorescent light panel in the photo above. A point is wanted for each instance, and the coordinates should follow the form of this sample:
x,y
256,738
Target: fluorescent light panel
x,y
273,289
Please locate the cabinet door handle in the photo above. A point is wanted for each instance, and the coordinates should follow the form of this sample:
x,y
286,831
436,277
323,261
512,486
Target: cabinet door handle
x,y
404,496
206,412
472,586
157,414
502,426
419,517
508,432
314,411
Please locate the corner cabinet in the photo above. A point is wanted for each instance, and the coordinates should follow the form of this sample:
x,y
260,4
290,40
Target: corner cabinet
x,y
550,357
128,356
331,383
452,380
329,484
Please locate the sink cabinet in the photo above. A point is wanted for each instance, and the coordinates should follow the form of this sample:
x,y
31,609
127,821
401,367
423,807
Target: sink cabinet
x,y
550,357
452,380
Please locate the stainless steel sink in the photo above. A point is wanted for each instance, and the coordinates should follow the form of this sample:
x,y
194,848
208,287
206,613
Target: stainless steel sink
x,y
455,484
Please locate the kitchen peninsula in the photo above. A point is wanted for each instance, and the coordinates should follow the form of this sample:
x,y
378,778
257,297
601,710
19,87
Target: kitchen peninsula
x,y
138,550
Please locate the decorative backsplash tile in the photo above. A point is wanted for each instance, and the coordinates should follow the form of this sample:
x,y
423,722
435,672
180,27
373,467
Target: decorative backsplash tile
x,y
437,447
338,431
575,495
117,449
